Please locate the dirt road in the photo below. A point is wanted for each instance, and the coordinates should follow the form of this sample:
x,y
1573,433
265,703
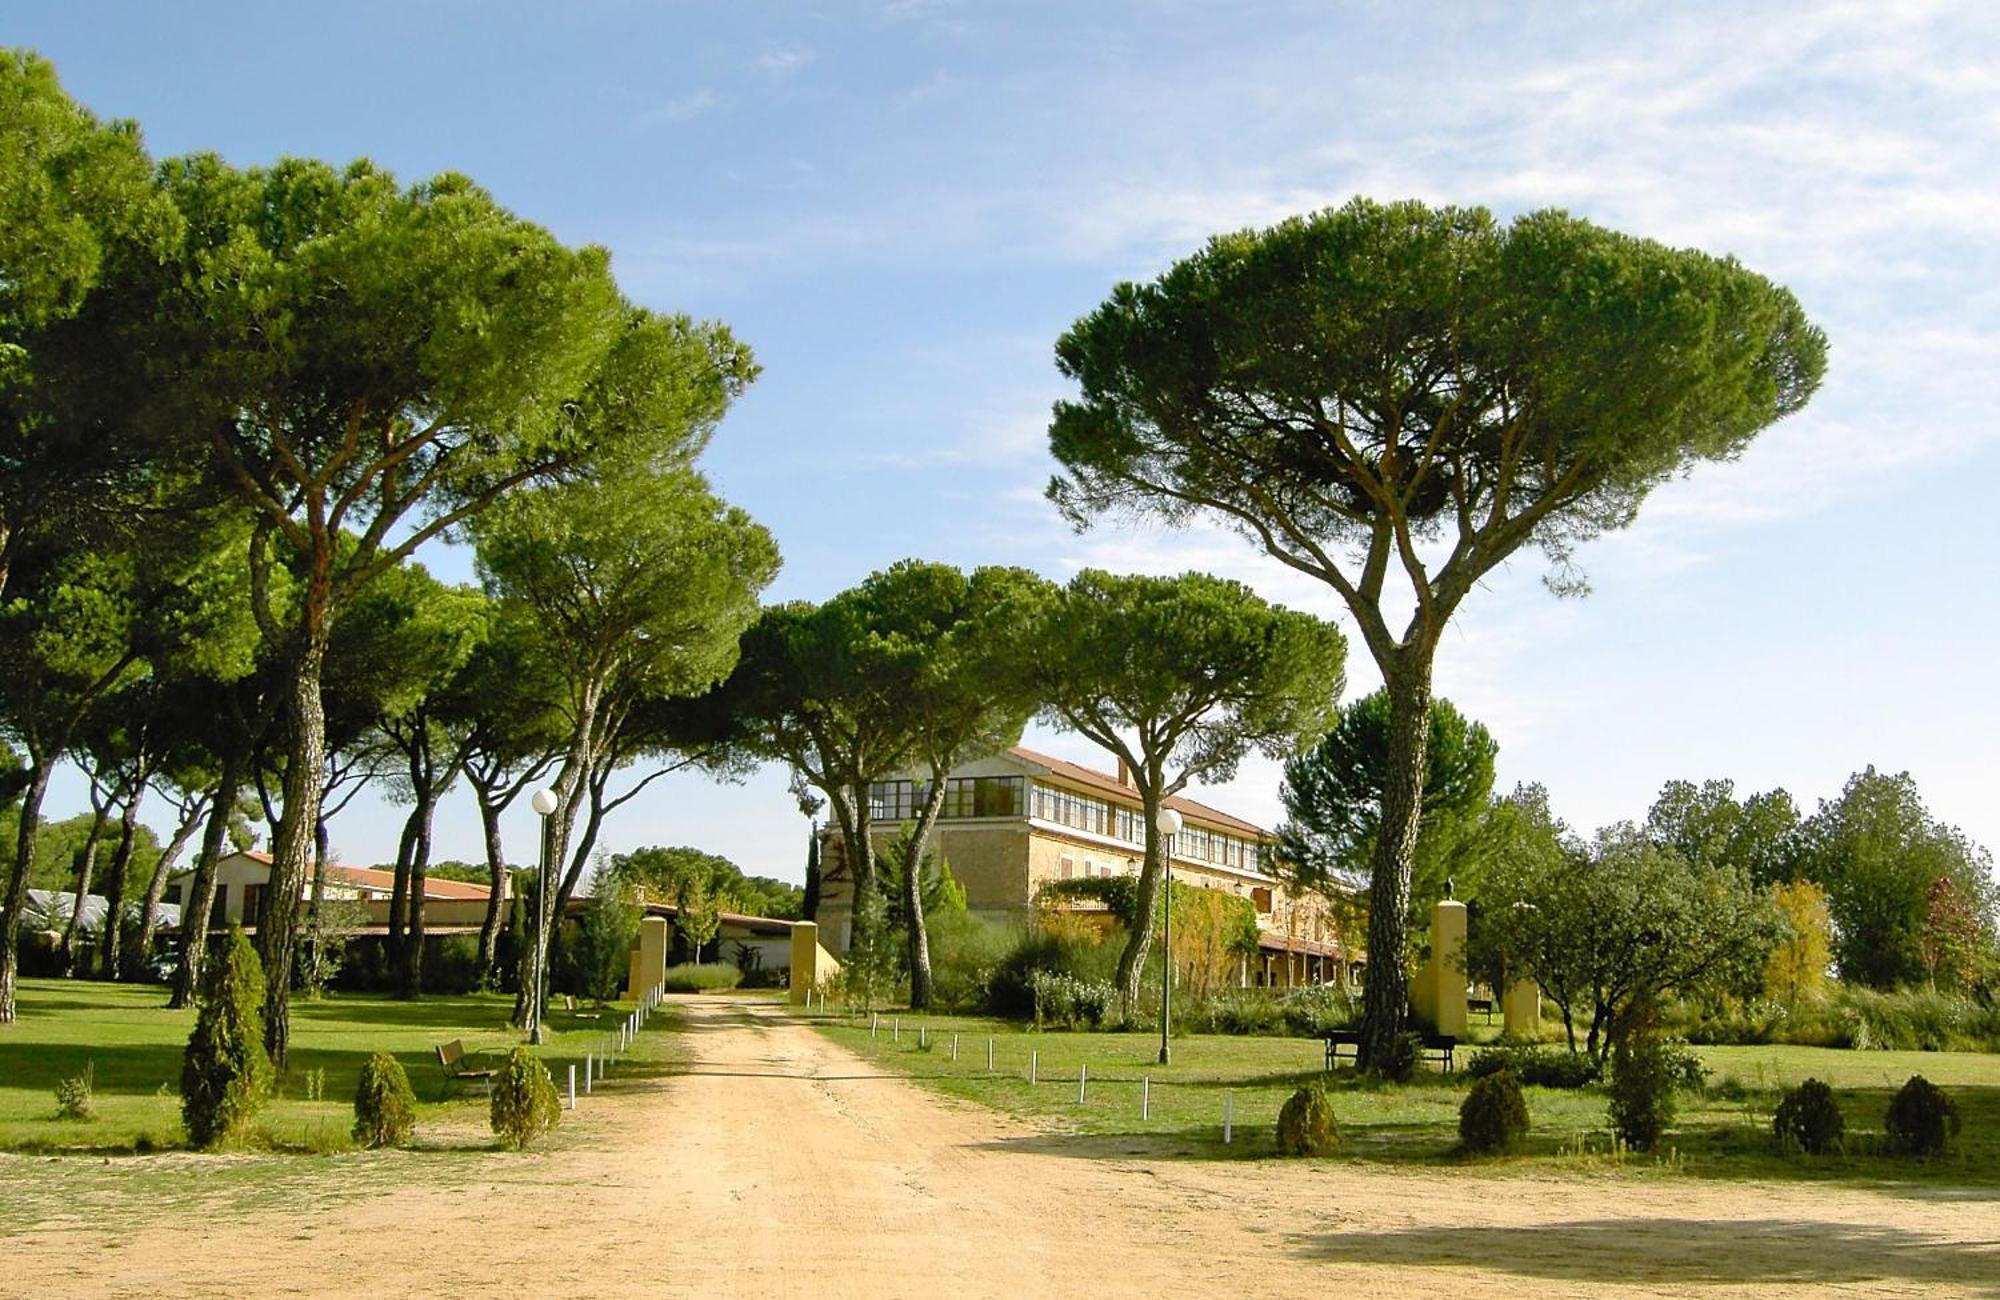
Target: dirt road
x,y
781,1165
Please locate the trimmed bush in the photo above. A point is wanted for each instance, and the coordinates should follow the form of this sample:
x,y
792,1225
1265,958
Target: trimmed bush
x,y
1809,1119
1010,989
225,1075
1644,1074
525,1104
1536,1067
385,1110
1494,1115
701,977
1922,1119
1306,1126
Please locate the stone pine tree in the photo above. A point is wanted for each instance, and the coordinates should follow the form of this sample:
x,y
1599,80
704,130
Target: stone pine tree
x,y
1333,799
1395,399
960,641
1180,678
635,581
378,364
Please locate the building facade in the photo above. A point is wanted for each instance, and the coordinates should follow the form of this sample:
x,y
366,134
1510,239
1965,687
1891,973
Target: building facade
x,y
1017,821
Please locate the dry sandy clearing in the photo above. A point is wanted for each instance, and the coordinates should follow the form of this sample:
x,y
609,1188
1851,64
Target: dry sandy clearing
x,y
781,1165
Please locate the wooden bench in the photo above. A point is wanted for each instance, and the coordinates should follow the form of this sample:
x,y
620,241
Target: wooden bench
x,y
569,1005
452,1060
1439,1047
1481,1005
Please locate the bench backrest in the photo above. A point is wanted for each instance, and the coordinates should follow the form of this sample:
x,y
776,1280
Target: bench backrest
x,y
450,1054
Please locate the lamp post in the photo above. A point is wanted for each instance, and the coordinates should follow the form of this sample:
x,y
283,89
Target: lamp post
x,y
1168,823
544,803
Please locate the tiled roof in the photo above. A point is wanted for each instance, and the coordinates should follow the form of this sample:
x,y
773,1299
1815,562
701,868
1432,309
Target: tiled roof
x,y
1272,941
372,878
1110,784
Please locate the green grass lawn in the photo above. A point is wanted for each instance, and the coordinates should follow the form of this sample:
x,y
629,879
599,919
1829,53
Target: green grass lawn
x,y
132,1044
1723,1134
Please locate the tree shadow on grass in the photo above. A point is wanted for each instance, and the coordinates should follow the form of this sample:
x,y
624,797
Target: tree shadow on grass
x,y
1677,1252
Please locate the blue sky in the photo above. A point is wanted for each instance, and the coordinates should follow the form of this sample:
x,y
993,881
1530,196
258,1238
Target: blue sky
x,y
901,205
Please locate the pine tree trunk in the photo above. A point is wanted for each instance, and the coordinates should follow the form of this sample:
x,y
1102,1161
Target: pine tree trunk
x,y
156,888
1146,903
571,784
399,890
201,890
1385,994
292,854
17,886
857,842
114,887
919,943
496,871
86,871
412,965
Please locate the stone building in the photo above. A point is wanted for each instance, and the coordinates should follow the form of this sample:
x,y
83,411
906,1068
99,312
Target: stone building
x,y
1016,821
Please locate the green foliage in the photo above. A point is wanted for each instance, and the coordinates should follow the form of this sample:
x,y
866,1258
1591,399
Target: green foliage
x,y
525,1104
225,1074
1644,1075
1879,854
1306,1124
601,954
1311,1012
706,977
1537,1067
660,874
1118,894
1808,1119
74,1094
1707,824
1063,1001
938,890
1625,919
1011,990
1333,799
1922,1119
965,950
385,1110
1494,1115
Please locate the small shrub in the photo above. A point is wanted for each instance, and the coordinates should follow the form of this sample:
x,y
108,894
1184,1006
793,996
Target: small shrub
x,y
385,1110
1494,1116
1922,1119
1683,1065
1809,1119
1535,1067
73,1095
1065,1001
1643,1079
525,1104
1010,989
702,977
225,1074
1306,1126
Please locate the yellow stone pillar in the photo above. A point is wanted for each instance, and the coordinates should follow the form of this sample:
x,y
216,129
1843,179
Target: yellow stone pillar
x,y
1447,967
812,964
649,963
1521,1005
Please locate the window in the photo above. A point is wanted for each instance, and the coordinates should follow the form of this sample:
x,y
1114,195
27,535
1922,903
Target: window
x,y
1068,867
964,796
253,904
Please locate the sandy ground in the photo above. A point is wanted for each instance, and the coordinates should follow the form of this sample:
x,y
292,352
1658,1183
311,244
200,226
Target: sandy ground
x,y
781,1165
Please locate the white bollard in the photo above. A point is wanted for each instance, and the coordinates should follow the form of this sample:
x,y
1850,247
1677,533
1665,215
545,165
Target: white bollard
x,y
896,1030
1082,1078
572,1085
874,1023
989,1056
924,1037
954,1049
1032,1062
1145,1096
1228,1117
589,1069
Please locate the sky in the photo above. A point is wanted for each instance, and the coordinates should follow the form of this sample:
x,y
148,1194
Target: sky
x,y
901,205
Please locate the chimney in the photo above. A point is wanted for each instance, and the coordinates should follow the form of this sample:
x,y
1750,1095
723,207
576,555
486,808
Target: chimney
x,y
1125,774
